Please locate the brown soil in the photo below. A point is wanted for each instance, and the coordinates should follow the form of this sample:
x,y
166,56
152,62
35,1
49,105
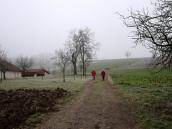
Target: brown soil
x,y
17,105
99,106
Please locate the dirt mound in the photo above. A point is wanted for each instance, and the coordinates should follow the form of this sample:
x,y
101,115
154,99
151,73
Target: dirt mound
x,y
17,105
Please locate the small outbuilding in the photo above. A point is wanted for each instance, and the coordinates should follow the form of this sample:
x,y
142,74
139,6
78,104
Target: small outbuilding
x,y
35,72
9,70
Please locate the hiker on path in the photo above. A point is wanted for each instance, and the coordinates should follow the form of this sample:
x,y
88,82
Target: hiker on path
x,y
93,73
103,73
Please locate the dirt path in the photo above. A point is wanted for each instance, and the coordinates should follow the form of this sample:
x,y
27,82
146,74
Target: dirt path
x,y
97,107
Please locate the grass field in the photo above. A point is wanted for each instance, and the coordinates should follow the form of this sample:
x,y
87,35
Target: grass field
x,y
150,93
118,64
48,83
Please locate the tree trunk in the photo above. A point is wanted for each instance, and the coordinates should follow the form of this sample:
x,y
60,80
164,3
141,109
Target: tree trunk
x,y
64,80
74,69
83,62
4,75
1,76
23,72
83,69
74,61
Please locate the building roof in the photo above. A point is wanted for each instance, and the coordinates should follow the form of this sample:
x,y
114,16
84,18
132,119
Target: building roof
x,y
7,66
39,71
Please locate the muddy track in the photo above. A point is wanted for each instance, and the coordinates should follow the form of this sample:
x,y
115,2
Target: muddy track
x,y
98,106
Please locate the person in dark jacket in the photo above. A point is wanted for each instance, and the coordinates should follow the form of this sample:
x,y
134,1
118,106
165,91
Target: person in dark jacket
x,y
103,73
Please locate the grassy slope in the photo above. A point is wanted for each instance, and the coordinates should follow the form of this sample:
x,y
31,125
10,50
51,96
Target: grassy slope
x,y
149,92
118,64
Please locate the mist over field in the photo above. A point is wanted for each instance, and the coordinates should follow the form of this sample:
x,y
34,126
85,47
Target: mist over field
x,y
30,28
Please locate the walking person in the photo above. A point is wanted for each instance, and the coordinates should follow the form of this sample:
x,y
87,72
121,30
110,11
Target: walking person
x,y
103,73
93,73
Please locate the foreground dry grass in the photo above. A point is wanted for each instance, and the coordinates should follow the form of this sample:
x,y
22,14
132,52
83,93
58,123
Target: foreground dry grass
x,y
48,83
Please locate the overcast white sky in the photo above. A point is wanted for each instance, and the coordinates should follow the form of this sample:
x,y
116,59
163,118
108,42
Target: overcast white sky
x,y
31,27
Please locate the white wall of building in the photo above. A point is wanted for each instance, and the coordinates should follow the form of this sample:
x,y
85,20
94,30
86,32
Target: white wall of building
x,y
12,75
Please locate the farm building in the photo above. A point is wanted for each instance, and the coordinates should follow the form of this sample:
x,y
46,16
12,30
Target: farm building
x,y
34,72
9,70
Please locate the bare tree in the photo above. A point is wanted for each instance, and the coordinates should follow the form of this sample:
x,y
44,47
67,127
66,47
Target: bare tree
x,y
128,54
3,57
87,43
62,58
154,31
88,60
73,46
81,45
3,54
24,63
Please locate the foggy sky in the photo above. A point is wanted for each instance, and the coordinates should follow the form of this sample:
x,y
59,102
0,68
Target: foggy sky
x,y
31,27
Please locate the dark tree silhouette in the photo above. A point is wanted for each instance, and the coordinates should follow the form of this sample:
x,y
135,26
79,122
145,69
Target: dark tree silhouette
x,y
81,45
3,58
24,63
73,47
88,45
61,60
128,54
154,31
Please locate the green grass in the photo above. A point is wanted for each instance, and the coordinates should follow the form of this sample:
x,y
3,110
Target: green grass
x,y
118,64
71,85
151,93
141,77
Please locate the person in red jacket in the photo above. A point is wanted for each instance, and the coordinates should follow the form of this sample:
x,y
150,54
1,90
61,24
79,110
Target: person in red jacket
x,y
93,73
103,73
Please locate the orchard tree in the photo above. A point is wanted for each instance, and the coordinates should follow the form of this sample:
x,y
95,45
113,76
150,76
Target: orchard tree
x,y
128,54
73,47
154,31
24,63
87,46
88,60
3,57
3,54
81,45
61,60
